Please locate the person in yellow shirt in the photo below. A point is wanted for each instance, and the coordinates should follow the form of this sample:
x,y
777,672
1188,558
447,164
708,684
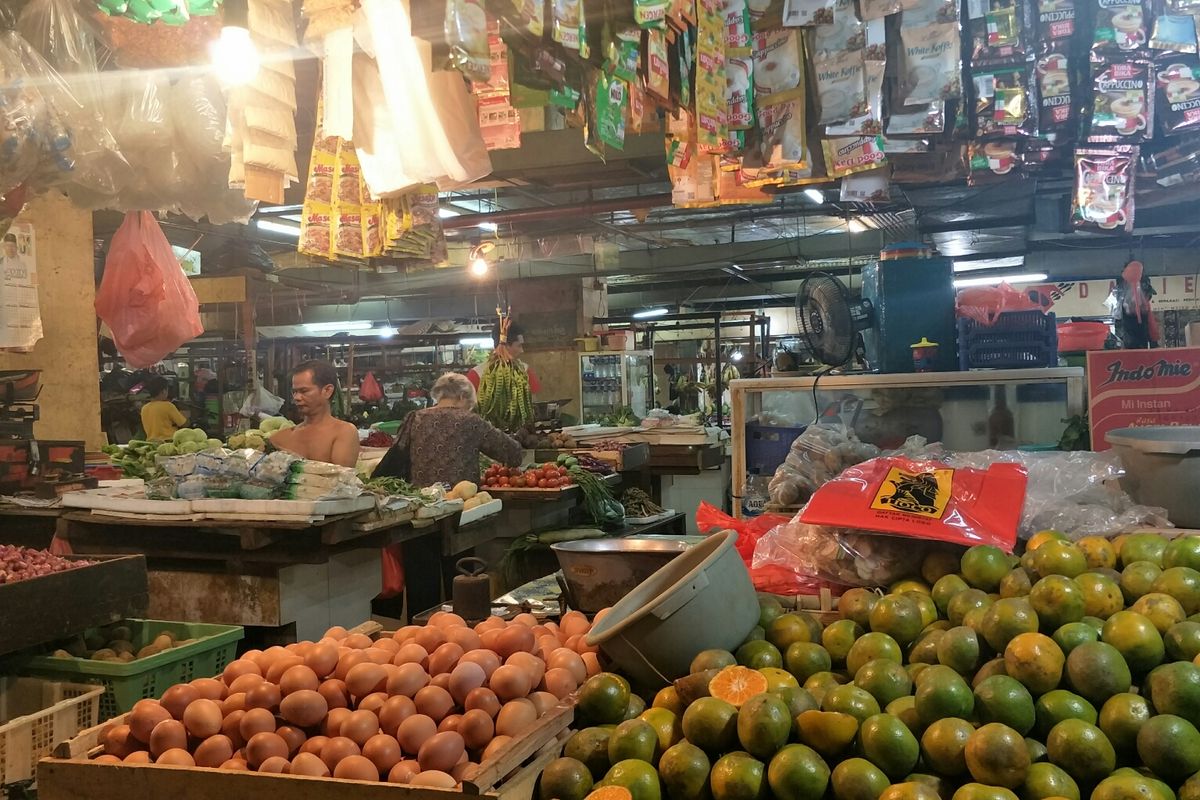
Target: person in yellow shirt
x,y
160,417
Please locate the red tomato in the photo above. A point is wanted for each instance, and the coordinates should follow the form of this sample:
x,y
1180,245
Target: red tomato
x,y
542,483
514,472
549,465
552,483
563,472
519,483
531,477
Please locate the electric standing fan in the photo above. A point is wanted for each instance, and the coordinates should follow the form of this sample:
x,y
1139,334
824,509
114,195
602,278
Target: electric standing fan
x,y
830,320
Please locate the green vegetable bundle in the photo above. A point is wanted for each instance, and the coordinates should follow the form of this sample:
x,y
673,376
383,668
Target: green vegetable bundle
x,y
598,500
136,459
504,396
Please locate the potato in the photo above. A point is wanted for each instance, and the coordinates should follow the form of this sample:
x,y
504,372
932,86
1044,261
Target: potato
x,y
104,654
465,490
483,497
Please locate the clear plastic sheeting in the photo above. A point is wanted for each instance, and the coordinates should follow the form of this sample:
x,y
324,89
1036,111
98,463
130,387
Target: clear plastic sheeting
x,y
67,42
1074,492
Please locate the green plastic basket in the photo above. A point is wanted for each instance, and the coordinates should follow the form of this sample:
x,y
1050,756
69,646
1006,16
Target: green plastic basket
x,y
126,683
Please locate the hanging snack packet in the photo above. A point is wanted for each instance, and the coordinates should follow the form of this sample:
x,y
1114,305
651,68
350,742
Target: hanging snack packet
x,y
711,111
1173,33
765,14
567,21
612,103
841,92
878,9
624,53
797,13
778,63
467,36
782,144
737,24
846,156
1003,102
868,119
739,92
1122,102
928,121
928,12
1056,115
1056,23
1001,30
658,69
988,162
932,67
1121,28
1103,198
867,187
1178,87
842,33
651,13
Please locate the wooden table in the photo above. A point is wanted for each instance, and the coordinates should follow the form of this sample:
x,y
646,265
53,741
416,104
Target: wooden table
x,y
294,577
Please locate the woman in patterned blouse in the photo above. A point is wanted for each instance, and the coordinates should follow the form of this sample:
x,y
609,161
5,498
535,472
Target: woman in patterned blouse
x,y
442,444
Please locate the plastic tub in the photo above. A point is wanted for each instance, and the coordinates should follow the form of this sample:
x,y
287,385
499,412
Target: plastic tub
x,y
1162,468
599,572
701,600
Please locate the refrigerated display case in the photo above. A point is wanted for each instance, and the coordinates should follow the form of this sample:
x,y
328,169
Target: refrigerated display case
x,y
609,381
966,411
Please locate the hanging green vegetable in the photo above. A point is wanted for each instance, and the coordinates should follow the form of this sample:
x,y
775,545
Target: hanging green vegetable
x,y
505,399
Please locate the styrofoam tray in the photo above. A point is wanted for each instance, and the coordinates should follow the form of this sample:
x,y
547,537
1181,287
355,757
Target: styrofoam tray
x,y
647,520
124,498
481,511
290,508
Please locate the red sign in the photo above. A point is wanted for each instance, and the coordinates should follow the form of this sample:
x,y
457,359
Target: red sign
x,y
1136,388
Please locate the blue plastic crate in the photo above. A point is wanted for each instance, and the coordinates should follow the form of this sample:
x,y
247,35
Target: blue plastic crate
x,y
1018,340
767,446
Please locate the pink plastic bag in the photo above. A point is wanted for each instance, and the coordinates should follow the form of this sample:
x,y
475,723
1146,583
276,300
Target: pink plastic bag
x,y
985,304
144,297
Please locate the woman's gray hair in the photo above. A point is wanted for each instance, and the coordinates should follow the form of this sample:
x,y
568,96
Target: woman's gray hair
x,y
452,386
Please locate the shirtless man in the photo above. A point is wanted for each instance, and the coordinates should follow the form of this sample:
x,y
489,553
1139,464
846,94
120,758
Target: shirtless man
x,y
320,437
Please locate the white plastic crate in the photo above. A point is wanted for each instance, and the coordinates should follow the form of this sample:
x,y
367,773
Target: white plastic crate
x,y
35,715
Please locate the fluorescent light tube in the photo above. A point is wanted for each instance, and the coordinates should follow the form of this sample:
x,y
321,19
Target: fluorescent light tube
x,y
992,280
272,226
348,325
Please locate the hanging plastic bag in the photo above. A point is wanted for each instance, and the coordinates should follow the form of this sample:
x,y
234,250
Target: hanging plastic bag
x,y
260,401
393,572
369,391
144,297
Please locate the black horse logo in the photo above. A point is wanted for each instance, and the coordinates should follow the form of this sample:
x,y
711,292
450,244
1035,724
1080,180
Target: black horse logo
x,y
914,493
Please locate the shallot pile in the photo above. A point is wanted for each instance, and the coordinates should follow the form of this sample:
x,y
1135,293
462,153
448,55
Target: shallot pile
x,y
18,563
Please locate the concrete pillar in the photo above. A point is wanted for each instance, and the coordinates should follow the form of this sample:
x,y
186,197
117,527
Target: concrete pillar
x,y
70,401
554,312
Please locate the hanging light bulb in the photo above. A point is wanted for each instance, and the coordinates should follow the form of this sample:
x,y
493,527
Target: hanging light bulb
x,y
235,59
478,264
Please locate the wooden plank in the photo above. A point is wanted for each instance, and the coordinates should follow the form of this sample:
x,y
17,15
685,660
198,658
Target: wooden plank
x,y
86,780
53,606
520,748
229,289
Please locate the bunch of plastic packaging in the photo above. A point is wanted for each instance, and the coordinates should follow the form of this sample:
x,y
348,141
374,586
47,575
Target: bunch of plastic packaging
x,y
1075,493
66,40
841,555
876,521
37,146
316,480
171,129
818,455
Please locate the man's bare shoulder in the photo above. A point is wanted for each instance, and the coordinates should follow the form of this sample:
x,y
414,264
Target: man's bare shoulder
x,y
343,427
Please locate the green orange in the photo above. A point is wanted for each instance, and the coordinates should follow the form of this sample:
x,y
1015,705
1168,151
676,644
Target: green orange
x,y
684,770
996,755
984,566
797,773
1003,699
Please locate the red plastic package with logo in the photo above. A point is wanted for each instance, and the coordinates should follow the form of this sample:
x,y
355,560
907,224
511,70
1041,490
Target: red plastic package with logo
x,y
926,500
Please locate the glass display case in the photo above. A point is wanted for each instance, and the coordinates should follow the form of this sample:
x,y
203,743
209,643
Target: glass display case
x,y
1002,409
610,381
